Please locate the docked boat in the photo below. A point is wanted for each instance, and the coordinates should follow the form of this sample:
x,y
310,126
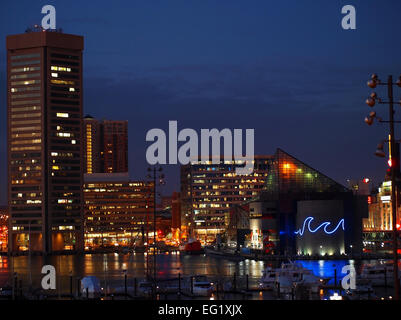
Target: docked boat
x,y
380,275
145,288
290,275
268,280
193,247
201,286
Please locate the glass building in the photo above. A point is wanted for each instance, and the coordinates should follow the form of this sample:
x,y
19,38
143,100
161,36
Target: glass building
x,y
272,216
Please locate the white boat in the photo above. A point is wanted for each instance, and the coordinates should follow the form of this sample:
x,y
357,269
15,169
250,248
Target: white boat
x,y
201,286
291,274
378,274
268,280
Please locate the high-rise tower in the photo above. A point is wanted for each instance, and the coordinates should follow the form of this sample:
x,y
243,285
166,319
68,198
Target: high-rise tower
x,y
45,172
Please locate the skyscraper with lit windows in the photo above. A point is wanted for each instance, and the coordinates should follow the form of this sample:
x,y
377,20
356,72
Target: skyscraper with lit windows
x,y
209,191
105,146
45,172
92,145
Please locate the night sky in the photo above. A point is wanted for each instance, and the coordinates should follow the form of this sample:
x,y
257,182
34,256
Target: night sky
x,y
285,68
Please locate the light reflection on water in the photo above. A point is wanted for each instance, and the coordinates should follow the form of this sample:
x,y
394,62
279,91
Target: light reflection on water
x,y
109,267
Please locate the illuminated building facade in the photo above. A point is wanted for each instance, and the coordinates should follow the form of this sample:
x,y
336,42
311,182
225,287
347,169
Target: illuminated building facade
x,y
91,142
378,226
44,109
105,145
117,210
208,191
295,192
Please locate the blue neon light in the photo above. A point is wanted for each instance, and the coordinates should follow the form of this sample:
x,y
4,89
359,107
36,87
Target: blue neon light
x,y
323,225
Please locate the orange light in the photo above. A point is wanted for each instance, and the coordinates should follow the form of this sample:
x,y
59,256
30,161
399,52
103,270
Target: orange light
x,y
398,226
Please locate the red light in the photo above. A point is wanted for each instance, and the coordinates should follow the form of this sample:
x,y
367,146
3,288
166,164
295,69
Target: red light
x,y
398,226
390,163
369,199
366,180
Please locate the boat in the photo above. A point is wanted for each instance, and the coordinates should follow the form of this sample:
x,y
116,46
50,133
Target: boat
x,y
268,280
145,288
193,247
201,286
379,274
290,275
224,253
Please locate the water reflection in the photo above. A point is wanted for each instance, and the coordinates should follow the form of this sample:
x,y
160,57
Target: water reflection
x,y
109,268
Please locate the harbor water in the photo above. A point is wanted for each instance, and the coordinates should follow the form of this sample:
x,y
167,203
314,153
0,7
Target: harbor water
x,y
111,268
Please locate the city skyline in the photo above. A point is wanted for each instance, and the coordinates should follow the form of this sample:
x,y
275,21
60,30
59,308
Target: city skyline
x,y
296,84
124,172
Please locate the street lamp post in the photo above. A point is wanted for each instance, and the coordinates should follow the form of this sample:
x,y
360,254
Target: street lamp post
x,y
393,161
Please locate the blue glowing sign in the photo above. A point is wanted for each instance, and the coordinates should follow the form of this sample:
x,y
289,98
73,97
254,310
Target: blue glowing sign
x,y
324,225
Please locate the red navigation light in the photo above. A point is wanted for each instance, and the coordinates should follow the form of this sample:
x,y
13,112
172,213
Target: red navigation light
x,y
366,180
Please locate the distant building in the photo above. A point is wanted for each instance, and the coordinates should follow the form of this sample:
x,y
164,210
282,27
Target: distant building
x,y
117,210
105,145
208,191
378,226
92,145
360,187
114,153
45,171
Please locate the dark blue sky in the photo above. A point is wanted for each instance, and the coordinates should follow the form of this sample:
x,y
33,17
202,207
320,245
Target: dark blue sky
x,y
285,68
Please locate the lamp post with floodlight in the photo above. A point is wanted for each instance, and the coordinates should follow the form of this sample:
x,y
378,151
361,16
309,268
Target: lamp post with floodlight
x,y
393,157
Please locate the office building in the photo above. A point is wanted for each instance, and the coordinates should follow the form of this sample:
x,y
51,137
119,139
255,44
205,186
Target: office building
x,y
105,145
208,191
118,211
44,110
92,145
114,153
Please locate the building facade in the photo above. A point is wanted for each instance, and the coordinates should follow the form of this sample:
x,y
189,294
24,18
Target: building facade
x,y
208,191
45,172
378,226
92,145
296,200
114,153
105,145
118,211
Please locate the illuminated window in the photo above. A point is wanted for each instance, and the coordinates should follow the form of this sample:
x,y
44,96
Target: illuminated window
x,y
62,115
56,81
